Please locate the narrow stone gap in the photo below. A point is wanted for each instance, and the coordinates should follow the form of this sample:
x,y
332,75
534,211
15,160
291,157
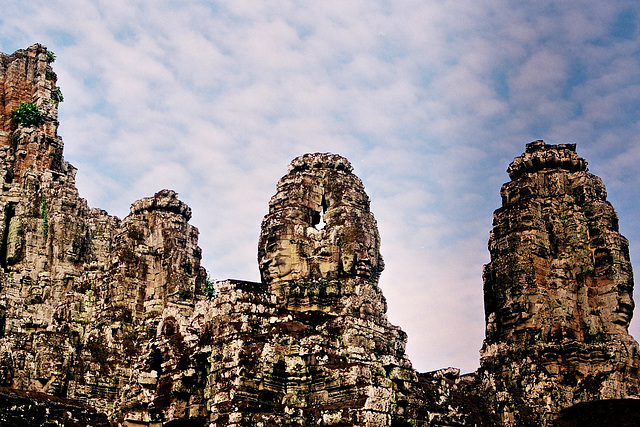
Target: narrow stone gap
x,y
324,210
317,218
9,212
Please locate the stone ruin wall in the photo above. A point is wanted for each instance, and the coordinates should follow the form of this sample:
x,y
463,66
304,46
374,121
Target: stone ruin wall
x,y
107,320
82,292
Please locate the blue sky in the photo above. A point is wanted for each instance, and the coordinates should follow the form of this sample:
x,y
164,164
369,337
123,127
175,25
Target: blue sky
x,y
429,100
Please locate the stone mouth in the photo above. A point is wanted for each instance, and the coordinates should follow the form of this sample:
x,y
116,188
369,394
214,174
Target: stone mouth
x,y
624,313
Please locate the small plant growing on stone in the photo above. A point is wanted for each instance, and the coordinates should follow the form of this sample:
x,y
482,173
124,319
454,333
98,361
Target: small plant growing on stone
x,y
51,57
44,213
596,335
209,286
27,114
56,95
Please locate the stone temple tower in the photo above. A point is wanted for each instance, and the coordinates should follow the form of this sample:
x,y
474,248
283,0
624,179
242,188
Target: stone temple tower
x,y
557,292
319,229
329,354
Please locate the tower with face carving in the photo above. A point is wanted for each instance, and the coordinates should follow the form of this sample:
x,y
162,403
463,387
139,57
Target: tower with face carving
x,y
319,229
557,292
314,346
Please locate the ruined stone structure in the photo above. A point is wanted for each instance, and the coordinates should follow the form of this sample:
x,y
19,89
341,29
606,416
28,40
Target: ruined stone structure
x,y
558,291
108,321
86,298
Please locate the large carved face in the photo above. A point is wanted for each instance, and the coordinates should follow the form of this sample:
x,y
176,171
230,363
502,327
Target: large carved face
x,y
625,306
559,264
616,302
280,264
282,261
319,225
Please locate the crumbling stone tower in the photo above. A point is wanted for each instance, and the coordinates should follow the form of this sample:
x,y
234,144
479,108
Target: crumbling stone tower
x,y
558,291
84,296
110,316
322,351
319,228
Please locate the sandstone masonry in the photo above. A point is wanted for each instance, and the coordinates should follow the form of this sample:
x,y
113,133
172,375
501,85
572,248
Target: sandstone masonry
x,y
558,291
108,321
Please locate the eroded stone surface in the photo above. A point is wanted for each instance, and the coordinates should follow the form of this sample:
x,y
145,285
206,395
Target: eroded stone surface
x,y
112,312
319,225
558,291
84,295
107,320
331,355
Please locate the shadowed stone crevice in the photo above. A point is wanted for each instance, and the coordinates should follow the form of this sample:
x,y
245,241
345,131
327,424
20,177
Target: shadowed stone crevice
x,y
9,213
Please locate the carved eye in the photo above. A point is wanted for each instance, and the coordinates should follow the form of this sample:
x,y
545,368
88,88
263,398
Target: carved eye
x,y
272,248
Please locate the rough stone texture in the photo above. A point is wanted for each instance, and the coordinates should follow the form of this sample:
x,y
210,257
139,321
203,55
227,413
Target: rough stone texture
x,y
558,291
43,410
331,356
319,227
106,321
26,76
85,297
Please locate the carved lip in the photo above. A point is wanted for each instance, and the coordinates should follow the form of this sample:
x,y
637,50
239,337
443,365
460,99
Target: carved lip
x,y
624,313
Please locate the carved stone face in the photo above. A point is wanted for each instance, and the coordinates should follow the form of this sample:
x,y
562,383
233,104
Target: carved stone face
x,y
280,259
624,312
560,267
622,304
319,225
